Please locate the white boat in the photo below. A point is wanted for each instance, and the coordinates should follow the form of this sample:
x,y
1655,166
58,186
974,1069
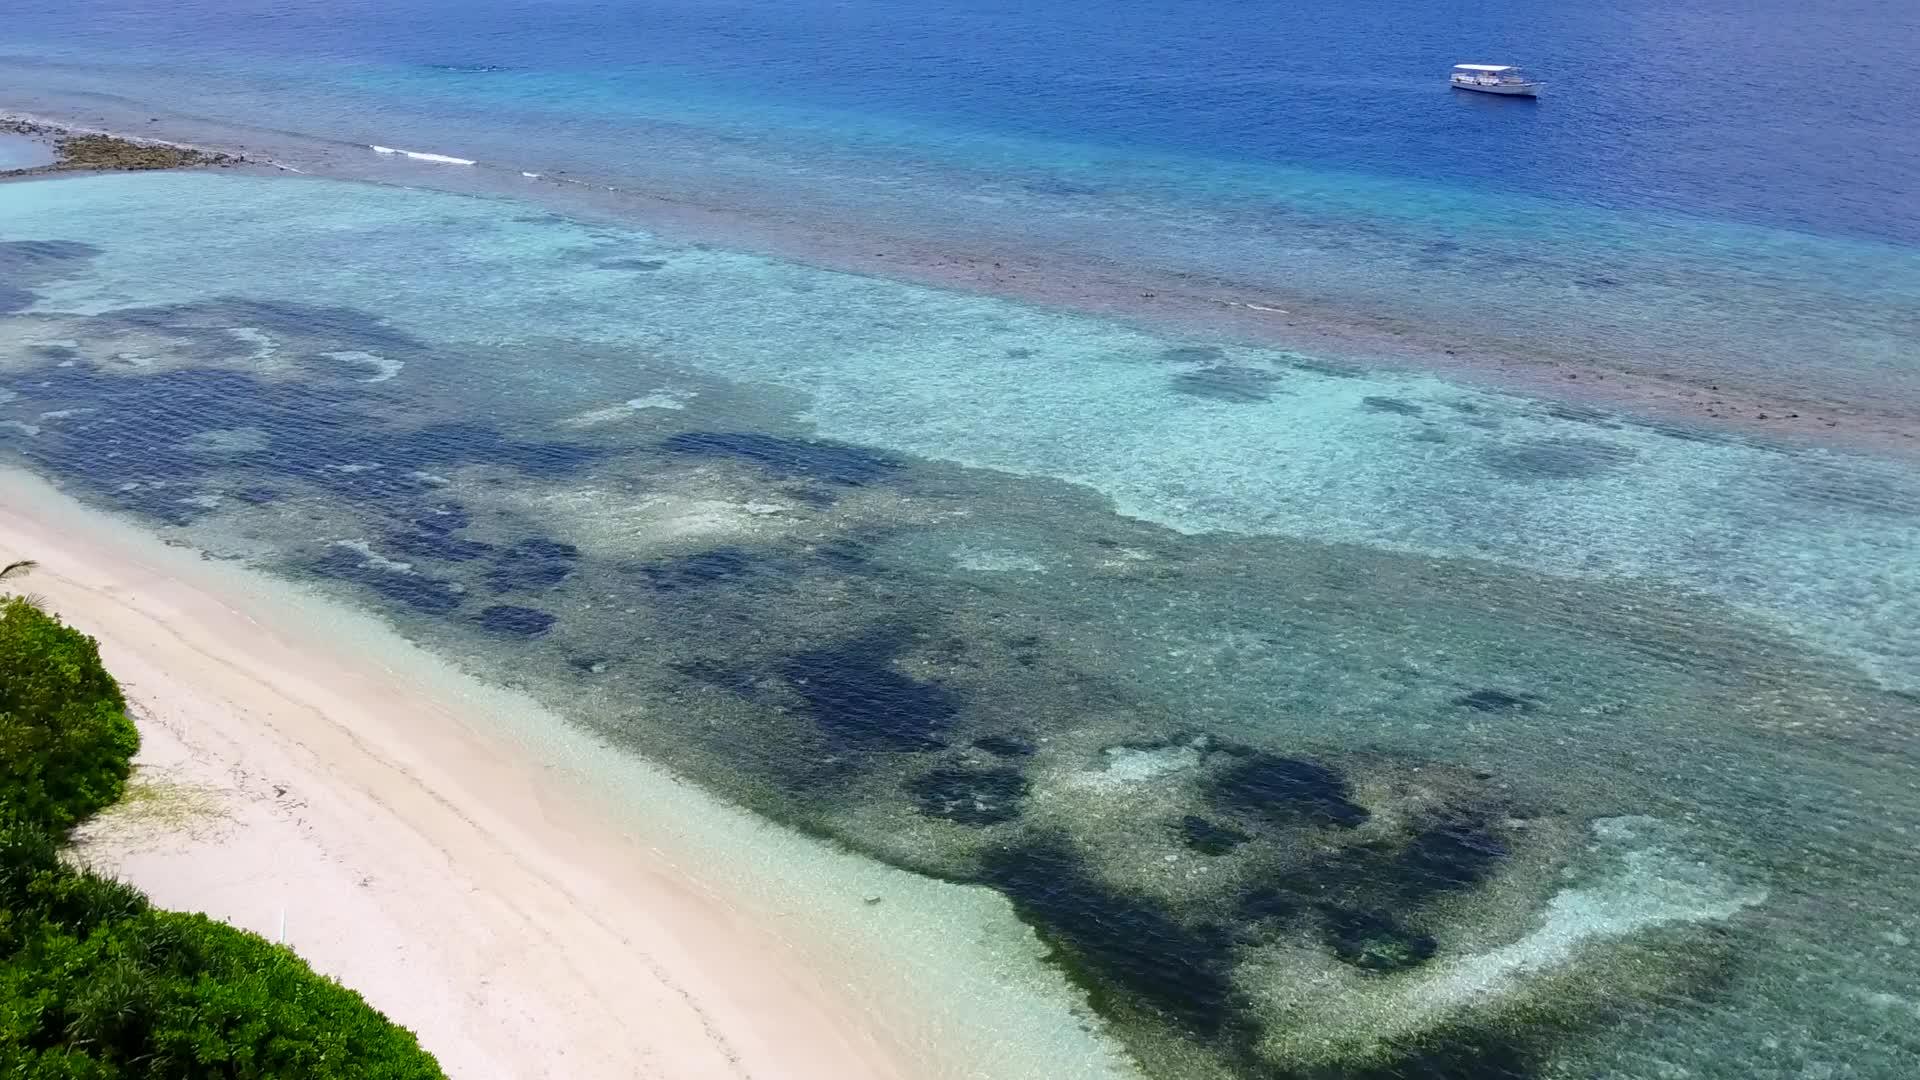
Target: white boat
x,y
1494,79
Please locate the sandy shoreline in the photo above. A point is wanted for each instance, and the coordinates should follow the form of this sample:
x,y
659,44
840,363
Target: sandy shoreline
x,y
1152,301
471,893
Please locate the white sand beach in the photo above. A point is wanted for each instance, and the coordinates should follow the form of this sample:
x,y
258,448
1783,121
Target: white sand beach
x,y
474,894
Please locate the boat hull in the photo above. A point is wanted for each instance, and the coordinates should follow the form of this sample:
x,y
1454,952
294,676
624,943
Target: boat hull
x,y
1503,89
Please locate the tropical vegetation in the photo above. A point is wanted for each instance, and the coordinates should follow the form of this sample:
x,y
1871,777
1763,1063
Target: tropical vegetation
x,y
96,983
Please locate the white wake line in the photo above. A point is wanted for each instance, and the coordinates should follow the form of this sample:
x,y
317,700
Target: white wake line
x,y
419,156
448,159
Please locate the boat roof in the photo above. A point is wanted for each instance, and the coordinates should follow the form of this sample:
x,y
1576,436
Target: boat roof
x,y
1483,67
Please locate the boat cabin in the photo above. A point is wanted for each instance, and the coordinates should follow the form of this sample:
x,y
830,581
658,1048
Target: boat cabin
x,y
1494,79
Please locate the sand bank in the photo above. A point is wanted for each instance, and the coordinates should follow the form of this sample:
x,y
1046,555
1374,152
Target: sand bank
x,y
302,767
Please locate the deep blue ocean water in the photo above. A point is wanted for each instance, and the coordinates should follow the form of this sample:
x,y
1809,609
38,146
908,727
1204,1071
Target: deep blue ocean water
x,y
1774,112
1326,717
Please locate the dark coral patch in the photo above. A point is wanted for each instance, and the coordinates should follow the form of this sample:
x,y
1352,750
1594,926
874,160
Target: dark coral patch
x,y
417,591
464,442
1581,414
1391,405
1193,354
438,545
1226,382
514,621
140,433
1124,948
699,569
26,263
25,258
1453,853
1375,941
633,264
1006,746
1491,700
969,796
859,698
532,564
1327,368
1556,459
1287,791
1209,837
445,518
834,463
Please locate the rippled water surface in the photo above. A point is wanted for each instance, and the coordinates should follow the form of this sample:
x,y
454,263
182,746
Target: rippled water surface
x,y
1326,722
1678,206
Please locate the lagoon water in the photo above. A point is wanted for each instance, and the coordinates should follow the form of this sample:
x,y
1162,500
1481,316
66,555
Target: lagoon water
x,y
1326,717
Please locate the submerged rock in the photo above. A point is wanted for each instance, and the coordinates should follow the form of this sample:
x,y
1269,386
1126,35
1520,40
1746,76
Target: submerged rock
x,y
515,621
858,698
1391,405
438,545
1490,700
394,580
1376,941
1226,382
533,564
1194,354
1006,746
1134,956
1210,838
1451,854
1287,791
1556,459
834,463
969,796
699,569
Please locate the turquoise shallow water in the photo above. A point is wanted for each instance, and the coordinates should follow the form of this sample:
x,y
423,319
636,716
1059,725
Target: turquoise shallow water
x,y
1574,234
20,152
1324,721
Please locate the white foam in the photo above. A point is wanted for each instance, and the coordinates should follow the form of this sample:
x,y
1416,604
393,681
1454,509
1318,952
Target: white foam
x,y
241,440
662,399
418,155
263,346
659,399
373,559
997,561
383,367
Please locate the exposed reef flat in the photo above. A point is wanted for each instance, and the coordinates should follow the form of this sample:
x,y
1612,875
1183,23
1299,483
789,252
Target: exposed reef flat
x,y
79,150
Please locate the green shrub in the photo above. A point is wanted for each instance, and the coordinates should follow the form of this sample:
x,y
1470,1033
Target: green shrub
x,y
164,994
65,741
97,984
